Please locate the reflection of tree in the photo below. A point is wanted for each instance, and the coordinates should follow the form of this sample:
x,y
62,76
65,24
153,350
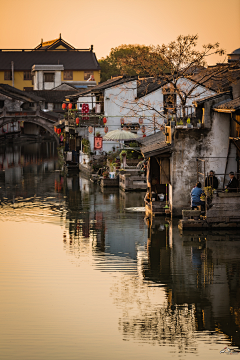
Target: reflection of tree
x,y
163,326
147,314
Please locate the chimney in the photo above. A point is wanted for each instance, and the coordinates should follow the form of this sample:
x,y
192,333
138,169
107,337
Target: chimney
x,y
91,47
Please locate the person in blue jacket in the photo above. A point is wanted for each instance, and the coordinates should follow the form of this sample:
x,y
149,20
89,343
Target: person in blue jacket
x,y
195,196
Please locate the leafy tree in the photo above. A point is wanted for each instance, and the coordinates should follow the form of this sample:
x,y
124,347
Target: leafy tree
x,y
123,60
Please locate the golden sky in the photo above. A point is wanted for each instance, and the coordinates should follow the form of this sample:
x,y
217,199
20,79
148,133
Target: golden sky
x,y
109,23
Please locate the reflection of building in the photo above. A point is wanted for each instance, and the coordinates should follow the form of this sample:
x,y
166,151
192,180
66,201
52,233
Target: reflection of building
x,y
201,270
20,162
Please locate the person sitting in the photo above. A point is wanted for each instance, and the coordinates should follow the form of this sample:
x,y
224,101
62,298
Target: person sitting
x,y
211,180
195,197
233,183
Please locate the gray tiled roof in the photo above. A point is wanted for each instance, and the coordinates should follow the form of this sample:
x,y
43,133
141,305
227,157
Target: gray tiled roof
x,y
154,144
211,97
228,105
105,85
19,94
217,78
148,85
71,60
52,96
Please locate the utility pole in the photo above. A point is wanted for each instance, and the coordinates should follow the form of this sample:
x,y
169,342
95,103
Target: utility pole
x,y
12,67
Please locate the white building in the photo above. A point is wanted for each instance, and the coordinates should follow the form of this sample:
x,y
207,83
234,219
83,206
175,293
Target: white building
x,y
142,104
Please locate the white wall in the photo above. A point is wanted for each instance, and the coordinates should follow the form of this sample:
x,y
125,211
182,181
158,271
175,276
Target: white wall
x,y
210,145
39,83
121,102
90,100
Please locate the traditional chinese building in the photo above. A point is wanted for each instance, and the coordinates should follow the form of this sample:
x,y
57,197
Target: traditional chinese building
x,y
48,65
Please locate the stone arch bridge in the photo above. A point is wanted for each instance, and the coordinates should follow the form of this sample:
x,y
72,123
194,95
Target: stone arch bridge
x,y
38,117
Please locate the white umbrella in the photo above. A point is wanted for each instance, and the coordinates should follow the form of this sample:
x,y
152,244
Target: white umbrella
x,y
118,135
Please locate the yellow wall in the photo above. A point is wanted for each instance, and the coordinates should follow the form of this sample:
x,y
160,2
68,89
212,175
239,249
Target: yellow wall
x,y
19,83
79,76
97,76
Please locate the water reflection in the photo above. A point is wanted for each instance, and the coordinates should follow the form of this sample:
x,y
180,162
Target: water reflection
x,y
168,288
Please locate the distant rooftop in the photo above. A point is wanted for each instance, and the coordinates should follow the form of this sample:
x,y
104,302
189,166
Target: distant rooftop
x,y
52,52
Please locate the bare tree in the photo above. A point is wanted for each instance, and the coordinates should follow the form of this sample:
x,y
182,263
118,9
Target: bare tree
x,y
182,73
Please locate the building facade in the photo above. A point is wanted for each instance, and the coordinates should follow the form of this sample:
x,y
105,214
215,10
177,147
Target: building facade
x,y
48,65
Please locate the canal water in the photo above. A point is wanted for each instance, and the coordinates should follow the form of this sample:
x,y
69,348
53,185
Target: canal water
x,y
83,278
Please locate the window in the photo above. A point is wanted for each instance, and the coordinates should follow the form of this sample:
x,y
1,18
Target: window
x,y
46,105
27,75
7,75
169,103
1,104
88,74
57,106
49,77
67,75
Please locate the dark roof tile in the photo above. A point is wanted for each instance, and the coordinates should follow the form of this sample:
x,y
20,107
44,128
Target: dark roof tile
x,y
53,96
211,97
19,94
154,144
71,60
105,85
228,105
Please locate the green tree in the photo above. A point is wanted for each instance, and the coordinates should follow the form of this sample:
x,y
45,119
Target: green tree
x,y
123,60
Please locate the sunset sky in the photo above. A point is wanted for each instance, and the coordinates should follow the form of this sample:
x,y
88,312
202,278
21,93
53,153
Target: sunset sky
x,y
107,24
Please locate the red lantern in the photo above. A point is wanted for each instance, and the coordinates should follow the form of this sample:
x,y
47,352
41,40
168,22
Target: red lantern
x,y
143,129
104,120
122,121
64,106
90,129
55,129
144,135
106,129
58,131
70,106
77,120
140,121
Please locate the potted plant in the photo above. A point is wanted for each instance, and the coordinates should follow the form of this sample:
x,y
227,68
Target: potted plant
x,y
98,134
173,123
86,146
180,124
123,154
105,174
199,124
112,172
189,123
